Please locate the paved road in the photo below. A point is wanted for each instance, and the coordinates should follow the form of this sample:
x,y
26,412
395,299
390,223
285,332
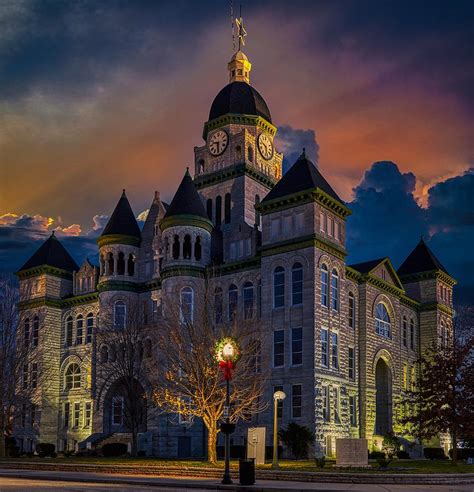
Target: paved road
x,y
26,480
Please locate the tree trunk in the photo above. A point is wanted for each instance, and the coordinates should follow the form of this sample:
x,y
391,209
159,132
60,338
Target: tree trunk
x,y
2,435
211,443
134,450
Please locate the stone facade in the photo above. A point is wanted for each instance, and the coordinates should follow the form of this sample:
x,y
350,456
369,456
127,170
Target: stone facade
x,y
341,341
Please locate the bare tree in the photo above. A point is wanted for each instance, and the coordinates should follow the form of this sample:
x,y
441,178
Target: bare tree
x,y
125,363
190,382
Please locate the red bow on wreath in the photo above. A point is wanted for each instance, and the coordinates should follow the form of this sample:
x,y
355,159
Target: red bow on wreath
x,y
226,367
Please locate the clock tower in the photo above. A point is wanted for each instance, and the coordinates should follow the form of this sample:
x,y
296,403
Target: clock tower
x,y
238,164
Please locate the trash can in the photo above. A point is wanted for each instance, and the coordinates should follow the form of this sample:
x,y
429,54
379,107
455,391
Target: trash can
x,y
247,471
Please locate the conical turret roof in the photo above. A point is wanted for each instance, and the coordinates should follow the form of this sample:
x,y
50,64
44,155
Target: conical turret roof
x,y
122,221
420,260
186,200
51,253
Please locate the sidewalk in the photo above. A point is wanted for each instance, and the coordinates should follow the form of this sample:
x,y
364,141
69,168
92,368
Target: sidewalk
x,y
187,483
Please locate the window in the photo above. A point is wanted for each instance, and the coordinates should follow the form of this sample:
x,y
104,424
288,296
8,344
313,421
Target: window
x,y
35,331
120,313
66,414
330,230
187,305
279,403
405,377
233,296
25,376
73,376
87,414
218,210
227,208
233,251
334,351
324,285
32,415
351,363
76,414
351,310
110,264
117,410
248,295
336,229
322,222
34,375
297,284
90,327
176,247
404,332
353,410
26,333
79,329
296,401
337,417
250,153
326,404
324,348
121,264
382,321
275,228
69,329
335,290
278,348
412,334
209,208
296,346
197,249
218,305
278,287
187,247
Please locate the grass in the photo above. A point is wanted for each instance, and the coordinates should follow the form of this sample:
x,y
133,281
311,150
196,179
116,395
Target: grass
x,y
397,466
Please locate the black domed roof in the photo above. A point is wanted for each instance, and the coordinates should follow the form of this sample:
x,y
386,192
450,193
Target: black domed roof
x,y
239,98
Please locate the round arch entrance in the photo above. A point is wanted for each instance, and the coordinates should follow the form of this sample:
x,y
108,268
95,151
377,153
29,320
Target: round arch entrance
x,y
383,399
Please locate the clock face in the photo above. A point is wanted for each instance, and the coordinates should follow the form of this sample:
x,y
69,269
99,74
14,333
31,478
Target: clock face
x,y
218,142
265,146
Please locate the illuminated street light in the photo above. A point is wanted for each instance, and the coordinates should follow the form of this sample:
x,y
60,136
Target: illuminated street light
x,y
277,396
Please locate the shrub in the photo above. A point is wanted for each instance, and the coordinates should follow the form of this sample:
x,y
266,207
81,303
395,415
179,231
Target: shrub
x,y
463,453
297,438
384,462
403,455
114,449
375,455
320,462
45,449
434,454
390,445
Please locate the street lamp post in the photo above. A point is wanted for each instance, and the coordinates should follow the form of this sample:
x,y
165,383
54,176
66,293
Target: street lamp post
x,y
227,354
277,396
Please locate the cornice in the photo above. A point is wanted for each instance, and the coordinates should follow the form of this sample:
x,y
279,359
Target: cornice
x,y
122,285
234,267
353,274
79,300
430,275
44,269
118,239
435,306
238,119
186,220
182,271
40,302
382,284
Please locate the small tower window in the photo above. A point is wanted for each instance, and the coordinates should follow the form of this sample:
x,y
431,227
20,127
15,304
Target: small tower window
x,y
102,265
187,247
218,210
197,249
110,264
250,153
176,247
209,208
201,165
238,152
131,265
227,203
121,264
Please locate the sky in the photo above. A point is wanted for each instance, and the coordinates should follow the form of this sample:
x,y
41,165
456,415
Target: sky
x,y
96,96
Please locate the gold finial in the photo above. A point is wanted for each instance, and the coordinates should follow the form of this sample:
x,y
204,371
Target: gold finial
x,y
241,32
239,66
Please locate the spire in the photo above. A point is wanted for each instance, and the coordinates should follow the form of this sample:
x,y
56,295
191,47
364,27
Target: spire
x,y
122,221
239,66
420,260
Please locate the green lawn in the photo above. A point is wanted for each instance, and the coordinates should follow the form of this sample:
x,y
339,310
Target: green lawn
x,y
397,466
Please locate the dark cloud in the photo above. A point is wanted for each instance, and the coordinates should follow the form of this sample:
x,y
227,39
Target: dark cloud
x,y
291,142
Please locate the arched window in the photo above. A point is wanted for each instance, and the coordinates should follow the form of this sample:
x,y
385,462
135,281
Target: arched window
x,y
209,208
201,165
250,153
187,305
324,286
197,249
131,265
352,313
382,320
120,313
79,329
227,210
176,247
147,350
232,302
248,296
26,333
35,338
187,247
404,332
111,265
335,290
121,264
69,329
104,354
297,284
278,287
257,213
412,335
238,153
90,327
218,210
218,304
73,376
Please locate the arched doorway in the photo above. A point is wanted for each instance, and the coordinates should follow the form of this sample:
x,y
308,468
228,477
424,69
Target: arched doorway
x,y
383,399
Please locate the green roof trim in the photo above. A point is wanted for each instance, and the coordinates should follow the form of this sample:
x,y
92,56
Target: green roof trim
x,y
353,274
382,284
122,285
232,172
43,269
238,119
40,302
182,271
118,239
186,220
81,299
433,274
